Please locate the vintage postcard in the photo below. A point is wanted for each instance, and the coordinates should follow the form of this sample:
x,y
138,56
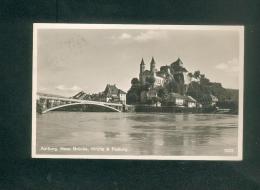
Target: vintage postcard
x,y
152,92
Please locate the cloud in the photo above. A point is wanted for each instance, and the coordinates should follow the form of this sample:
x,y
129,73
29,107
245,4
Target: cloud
x,y
230,66
43,89
150,35
64,88
222,66
125,36
143,36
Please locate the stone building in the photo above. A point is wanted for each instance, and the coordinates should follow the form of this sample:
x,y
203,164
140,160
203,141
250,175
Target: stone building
x,y
110,94
175,71
175,99
113,94
190,102
145,75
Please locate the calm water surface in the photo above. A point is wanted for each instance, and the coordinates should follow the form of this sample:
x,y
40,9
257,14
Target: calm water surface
x,y
136,134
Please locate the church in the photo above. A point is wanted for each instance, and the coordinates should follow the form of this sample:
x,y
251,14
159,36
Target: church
x,y
144,75
166,76
175,71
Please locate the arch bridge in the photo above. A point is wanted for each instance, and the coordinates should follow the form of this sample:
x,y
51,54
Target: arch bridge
x,y
46,103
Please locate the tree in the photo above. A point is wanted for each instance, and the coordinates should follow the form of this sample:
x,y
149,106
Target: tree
x,y
196,74
162,93
164,69
135,82
190,75
156,99
145,87
133,94
172,86
132,98
204,80
150,81
195,90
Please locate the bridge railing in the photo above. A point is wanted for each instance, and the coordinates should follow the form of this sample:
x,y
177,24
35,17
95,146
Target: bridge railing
x,y
77,100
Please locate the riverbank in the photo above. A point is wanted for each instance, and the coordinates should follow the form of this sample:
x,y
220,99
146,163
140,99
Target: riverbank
x,y
175,109
145,109
166,109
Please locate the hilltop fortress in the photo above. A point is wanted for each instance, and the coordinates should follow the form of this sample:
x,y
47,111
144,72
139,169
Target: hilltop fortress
x,y
171,85
175,71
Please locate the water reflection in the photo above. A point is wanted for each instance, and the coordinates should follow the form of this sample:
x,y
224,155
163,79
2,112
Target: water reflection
x,y
111,134
140,133
138,136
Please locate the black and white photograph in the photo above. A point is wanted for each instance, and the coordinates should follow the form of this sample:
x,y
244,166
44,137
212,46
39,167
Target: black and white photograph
x,y
149,92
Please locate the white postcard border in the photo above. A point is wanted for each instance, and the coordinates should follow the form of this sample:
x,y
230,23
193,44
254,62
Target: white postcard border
x,y
37,26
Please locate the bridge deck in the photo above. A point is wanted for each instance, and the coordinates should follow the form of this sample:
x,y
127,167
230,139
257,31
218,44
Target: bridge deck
x,y
79,101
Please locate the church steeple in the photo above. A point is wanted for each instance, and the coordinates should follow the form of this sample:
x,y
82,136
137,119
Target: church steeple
x,y
152,65
142,66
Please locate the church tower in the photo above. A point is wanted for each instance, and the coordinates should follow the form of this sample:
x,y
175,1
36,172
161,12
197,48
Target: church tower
x,y
152,65
142,68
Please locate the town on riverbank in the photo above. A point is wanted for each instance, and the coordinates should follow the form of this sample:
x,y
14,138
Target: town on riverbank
x,y
172,88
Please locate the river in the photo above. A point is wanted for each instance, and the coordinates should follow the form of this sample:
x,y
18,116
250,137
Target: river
x,y
112,133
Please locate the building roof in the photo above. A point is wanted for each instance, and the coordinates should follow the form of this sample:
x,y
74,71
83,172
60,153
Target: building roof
x,y
178,65
79,95
214,98
189,98
176,95
152,61
112,90
121,92
142,62
178,62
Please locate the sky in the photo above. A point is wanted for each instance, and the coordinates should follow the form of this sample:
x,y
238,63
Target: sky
x,y
72,60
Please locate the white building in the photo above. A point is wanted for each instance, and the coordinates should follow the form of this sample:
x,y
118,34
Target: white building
x,y
191,102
